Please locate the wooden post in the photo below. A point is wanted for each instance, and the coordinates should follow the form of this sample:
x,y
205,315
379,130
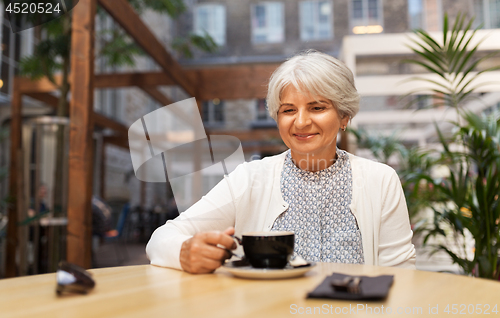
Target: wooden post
x,y
14,178
79,245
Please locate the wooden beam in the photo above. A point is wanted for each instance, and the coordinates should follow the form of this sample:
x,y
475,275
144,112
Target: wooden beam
x,y
46,98
157,95
98,119
43,85
223,82
106,122
112,80
116,80
124,14
79,247
119,141
14,179
234,82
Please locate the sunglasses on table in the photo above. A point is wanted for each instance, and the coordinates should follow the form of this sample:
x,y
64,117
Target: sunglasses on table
x,y
73,279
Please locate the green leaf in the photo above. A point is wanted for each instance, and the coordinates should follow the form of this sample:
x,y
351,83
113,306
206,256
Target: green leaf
x,y
186,45
424,36
454,61
173,8
119,49
456,54
430,68
419,78
445,27
30,66
457,28
433,58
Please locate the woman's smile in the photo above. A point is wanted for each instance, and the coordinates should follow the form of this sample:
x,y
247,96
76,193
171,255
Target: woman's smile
x,y
304,136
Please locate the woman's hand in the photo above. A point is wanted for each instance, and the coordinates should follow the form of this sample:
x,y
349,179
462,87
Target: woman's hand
x,y
200,253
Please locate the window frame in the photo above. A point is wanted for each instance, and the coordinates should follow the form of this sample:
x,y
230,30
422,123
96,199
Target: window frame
x,y
219,40
366,19
267,29
486,14
209,108
421,23
262,115
315,22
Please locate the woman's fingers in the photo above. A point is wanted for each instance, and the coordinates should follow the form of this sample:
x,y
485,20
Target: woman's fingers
x,y
190,257
200,253
230,231
209,251
218,238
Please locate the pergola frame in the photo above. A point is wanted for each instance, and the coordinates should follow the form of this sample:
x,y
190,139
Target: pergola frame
x,y
223,82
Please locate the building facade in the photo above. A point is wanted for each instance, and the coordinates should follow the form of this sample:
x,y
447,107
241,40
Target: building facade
x,y
267,31
249,31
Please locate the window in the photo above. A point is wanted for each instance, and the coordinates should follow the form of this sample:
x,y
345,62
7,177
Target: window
x,y
267,22
316,20
487,12
366,16
10,53
213,112
262,113
27,42
424,14
262,118
211,18
495,108
415,14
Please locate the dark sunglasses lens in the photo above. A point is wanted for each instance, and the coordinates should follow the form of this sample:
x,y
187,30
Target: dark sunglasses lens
x,y
73,279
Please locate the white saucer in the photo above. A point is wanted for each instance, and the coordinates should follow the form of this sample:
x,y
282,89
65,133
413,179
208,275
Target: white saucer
x,y
267,273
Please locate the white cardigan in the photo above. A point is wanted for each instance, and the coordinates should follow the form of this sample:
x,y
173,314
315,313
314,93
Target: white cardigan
x,y
378,204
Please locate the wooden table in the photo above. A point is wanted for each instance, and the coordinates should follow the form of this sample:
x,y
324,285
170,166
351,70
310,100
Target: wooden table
x,y
148,291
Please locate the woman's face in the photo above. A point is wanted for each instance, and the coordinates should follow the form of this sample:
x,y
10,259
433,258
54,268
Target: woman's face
x,y
309,125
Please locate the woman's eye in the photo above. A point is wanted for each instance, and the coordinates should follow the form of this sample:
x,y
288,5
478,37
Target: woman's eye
x,y
288,110
318,108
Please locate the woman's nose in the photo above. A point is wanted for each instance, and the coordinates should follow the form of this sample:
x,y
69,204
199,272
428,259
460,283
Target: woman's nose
x,y
302,120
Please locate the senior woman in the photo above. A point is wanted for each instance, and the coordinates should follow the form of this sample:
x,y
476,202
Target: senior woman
x,y
342,208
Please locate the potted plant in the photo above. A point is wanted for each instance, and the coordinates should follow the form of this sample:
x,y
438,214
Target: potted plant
x,y
468,198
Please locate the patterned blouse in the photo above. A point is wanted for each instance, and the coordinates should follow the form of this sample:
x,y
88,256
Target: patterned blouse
x,y
319,215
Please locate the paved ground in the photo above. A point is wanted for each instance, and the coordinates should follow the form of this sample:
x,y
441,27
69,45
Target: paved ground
x,y
117,254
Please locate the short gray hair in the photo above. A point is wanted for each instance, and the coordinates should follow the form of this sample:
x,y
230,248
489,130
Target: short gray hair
x,y
318,74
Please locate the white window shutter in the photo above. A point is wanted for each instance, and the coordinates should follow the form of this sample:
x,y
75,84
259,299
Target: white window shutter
x,y
212,19
274,16
306,20
220,24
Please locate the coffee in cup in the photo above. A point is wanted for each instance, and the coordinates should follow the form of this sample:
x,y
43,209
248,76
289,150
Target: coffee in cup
x,y
268,249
